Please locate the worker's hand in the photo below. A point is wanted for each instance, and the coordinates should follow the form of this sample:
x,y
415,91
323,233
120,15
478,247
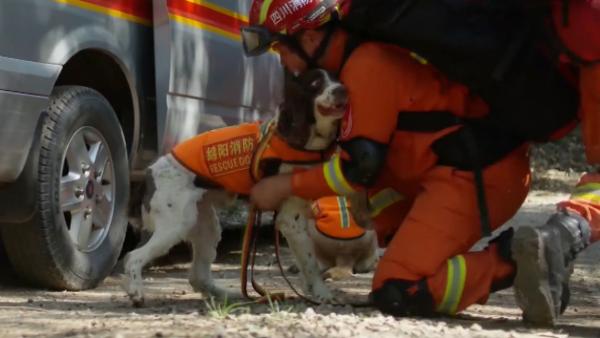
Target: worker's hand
x,y
270,192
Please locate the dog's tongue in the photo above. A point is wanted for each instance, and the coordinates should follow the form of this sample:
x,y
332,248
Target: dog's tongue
x,y
346,126
347,110
327,111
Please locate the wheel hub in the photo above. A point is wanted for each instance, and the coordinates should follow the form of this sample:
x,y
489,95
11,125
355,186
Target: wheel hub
x,y
89,189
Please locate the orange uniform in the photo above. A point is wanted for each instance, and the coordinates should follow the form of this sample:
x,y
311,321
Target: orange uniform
x,y
430,231
581,36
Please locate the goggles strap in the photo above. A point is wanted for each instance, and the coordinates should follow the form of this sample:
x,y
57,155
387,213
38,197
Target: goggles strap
x,y
320,51
312,61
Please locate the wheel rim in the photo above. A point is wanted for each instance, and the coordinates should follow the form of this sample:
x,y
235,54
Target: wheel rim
x,y
87,189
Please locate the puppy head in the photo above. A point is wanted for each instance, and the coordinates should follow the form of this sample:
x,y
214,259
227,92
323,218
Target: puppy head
x,y
313,105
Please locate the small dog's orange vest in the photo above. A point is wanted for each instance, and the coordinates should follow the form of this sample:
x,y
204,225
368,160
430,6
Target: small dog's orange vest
x,y
333,218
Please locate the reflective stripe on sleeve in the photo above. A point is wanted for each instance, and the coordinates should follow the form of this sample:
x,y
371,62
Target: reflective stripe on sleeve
x,y
336,181
383,199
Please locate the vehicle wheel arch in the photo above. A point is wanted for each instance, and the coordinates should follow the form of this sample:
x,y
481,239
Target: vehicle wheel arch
x,y
111,78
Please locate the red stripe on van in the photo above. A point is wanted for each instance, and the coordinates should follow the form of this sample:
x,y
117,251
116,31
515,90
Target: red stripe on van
x,y
139,8
230,23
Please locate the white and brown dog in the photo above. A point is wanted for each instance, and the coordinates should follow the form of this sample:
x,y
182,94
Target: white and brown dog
x,y
185,189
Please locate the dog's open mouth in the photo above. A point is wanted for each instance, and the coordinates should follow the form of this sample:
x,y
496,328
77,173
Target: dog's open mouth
x,y
335,110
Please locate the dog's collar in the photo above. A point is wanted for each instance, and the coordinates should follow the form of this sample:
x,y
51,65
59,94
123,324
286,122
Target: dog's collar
x,y
272,146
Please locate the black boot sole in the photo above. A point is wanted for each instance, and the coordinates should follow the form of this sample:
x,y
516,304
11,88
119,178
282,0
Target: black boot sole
x,y
531,285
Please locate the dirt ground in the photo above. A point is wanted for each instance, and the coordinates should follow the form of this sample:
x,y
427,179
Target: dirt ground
x,y
173,310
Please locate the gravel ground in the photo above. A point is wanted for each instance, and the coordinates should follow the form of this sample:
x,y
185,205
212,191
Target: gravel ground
x,y
173,310
556,166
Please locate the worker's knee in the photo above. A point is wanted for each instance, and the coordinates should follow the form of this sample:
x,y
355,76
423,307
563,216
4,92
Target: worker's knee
x,y
404,298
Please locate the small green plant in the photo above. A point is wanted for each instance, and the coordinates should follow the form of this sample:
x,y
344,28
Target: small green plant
x,y
275,308
223,310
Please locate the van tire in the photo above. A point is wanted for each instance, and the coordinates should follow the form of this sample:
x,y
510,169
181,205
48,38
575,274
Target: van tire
x,y
82,190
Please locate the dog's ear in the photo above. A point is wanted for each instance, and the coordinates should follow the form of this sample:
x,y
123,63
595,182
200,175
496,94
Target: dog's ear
x,y
295,113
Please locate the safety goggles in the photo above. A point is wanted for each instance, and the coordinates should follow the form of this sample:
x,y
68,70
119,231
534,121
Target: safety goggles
x,y
258,40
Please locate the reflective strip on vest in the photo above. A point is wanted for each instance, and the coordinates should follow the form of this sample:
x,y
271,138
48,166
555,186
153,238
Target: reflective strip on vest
x,y
344,216
383,199
336,181
455,283
419,58
589,192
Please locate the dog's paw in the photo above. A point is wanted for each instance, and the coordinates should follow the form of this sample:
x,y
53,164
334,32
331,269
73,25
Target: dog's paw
x,y
137,299
134,291
211,290
293,269
322,294
337,273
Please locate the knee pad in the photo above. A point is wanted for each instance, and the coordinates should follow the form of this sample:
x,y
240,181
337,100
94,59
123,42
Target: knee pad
x,y
404,298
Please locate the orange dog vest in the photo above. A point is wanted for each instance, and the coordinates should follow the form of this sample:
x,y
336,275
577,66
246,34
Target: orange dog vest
x,y
333,218
234,157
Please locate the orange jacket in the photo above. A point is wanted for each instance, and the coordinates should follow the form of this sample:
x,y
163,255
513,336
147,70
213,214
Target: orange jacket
x,y
383,80
224,156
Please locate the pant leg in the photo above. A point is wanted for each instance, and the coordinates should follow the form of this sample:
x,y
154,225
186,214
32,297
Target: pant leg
x,y
589,86
581,35
585,200
444,223
581,32
469,278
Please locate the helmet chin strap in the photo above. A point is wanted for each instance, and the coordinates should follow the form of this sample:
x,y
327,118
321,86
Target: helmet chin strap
x,y
312,61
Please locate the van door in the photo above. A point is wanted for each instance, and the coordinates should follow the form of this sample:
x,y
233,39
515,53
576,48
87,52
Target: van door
x,y
203,79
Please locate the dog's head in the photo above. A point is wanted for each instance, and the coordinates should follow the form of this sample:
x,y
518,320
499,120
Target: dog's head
x,y
314,103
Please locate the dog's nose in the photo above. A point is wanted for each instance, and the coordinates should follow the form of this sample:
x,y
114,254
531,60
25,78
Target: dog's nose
x,y
340,95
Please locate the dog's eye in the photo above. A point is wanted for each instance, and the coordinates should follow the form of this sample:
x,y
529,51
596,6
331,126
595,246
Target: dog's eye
x,y
316,84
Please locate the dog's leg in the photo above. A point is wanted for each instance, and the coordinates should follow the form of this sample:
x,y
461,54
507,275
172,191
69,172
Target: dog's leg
x,y
342,270
369,260
292,221
205,237
166,235
158,245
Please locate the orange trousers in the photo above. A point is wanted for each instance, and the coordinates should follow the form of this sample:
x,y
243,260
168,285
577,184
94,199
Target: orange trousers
x,y
582,36
442,223
585,198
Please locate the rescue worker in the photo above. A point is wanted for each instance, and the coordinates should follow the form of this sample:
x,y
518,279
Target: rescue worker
x,y
426,268
545,254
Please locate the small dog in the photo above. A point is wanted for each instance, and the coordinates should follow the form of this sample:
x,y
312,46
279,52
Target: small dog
x,y
341,245
184,189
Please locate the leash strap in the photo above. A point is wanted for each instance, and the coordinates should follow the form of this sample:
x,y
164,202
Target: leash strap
x,y
248,258
246,249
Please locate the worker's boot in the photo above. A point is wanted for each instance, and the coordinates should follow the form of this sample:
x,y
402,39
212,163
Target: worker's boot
x,y
544,257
